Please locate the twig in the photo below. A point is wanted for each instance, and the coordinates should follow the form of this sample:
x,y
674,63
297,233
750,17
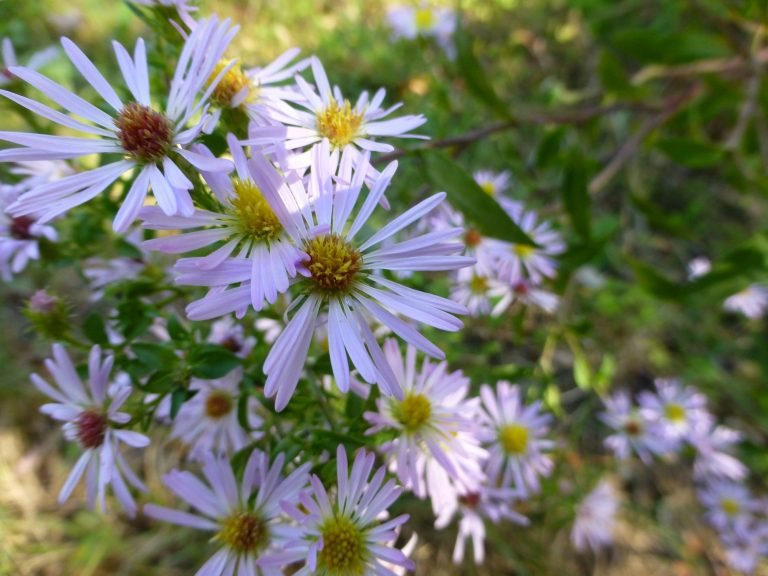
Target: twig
x,y
749,107
567,116
715,66
628,149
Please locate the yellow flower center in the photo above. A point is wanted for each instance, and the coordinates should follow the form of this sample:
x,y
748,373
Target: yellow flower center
x,y
488,188
339,123
514,439
333,263
218,404
674,412
145,135
244,532
424,18
413,412
478,284
254,215
344,548
523,250
730,506
230,85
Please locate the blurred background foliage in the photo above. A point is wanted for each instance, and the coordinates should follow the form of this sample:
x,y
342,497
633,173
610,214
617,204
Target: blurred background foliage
x,y
639,126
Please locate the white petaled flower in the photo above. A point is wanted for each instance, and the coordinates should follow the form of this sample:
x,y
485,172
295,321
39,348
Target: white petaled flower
x,y
492,183
208,422
698,267
409,22
752,302
149,142
435,425
258,230
328,116
93,420
596,518
343,276
516,262
255,89
526,293
247,519
494,504
516,434
228,333
675,407
101,272
746,546
729,505
633,431
476,291
183,8
445,217
37,60
345,536
19,238
712,445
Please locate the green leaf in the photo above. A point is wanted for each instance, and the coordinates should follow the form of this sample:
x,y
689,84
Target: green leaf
x,y
94,330
654,282
178,397
480,209
155,356
176,330
576,196
211,361
691,153
470,68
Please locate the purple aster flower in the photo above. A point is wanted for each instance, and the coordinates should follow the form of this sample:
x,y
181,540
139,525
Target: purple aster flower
x,y
516,434
515,262
676,408
150,142
209,423
261,230
329,117
228,333
596,518
247,519
752,302
37,60
436,452
746,546
698,267
345,535
19,238
92,419
430,22
729,505
342,277
633,430
493,183
445,217
712,445
525,292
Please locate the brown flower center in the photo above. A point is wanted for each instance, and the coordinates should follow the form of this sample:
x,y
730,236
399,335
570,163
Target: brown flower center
x,y
218,404
146,135
91,428
20,228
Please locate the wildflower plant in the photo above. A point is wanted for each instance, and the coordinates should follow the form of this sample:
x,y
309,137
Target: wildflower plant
x,y
295,317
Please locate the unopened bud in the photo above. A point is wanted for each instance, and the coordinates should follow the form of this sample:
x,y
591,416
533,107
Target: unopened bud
x,y
48,315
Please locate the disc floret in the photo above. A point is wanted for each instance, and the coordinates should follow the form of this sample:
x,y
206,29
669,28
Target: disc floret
x,y
413,412
344,547
514,439
231,84
334,263
145,135
255,217
244,532
340,123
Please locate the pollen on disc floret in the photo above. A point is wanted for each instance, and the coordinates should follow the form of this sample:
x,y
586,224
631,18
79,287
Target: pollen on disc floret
x,y
146,135
334,263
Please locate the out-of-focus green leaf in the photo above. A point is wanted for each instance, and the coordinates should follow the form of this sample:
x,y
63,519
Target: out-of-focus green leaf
x,y
691,153
94,330
576,196
655,283
475,77
481,210
212,361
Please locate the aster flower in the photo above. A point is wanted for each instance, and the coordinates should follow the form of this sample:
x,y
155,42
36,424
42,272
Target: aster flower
x,y
92,419
526,293
208,422
746,546
472,290
435,426
342,277
260,228
246,519
515,262
493,183
332,118
445,217
228,333
675,407
698,267
712,445
150,141
101,272
752,302
344,536
633,430
409,22
595,518
19,238
516,434
37,60
182,7
494,504
729,505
